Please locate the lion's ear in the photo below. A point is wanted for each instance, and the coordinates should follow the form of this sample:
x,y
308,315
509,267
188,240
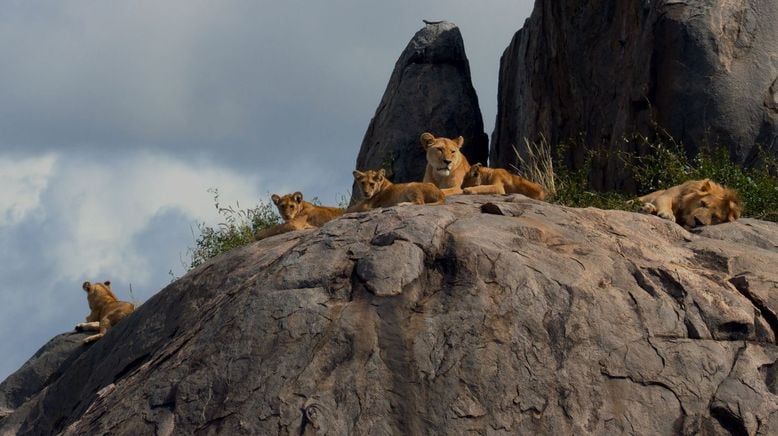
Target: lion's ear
x,y
477,165
107,284
460,141
357,174
427,139
382,172
86,286
275,198
705,186
298,196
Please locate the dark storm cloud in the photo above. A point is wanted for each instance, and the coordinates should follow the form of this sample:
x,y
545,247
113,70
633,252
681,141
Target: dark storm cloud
x,y
237,79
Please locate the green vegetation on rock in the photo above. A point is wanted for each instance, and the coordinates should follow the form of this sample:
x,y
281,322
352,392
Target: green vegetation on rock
x,y
665,164
237,229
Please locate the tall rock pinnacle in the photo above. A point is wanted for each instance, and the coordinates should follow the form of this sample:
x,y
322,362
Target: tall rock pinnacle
x,y
430,90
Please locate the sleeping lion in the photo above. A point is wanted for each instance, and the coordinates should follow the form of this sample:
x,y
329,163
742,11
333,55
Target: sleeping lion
x,y
694,203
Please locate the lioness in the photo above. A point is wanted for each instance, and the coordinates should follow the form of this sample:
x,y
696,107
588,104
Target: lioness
x,y
446,165
105,310
298,215
378,191
694,203
483,180
292,205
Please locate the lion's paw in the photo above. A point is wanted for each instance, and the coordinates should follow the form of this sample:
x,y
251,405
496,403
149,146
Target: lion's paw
x,y
80,327
648,208
666,215
92,338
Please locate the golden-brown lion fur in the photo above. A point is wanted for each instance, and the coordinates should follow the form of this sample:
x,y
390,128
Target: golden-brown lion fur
x,y
446,165
378,191
298,215
105,310
483,180
694,203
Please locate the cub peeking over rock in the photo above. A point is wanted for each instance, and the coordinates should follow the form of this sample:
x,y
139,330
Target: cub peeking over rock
x,y
298,215
483,180
446,165
378,191
694,203
105,310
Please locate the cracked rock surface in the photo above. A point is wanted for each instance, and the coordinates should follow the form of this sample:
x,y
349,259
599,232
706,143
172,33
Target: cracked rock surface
x,y
488,315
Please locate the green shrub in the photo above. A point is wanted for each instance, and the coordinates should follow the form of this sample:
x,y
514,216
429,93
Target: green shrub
x,y
663,164
237,229
667,165
572,186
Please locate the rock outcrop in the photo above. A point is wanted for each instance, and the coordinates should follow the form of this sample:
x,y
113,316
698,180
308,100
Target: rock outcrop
x,y
430,90
705,71
489,315
42,369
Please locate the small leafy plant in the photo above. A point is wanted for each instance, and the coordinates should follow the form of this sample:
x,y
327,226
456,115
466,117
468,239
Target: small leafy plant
x,y
237,229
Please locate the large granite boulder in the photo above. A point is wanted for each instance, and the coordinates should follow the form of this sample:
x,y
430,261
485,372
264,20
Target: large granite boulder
x,y
430,90
705,70
44,367
488,315
18,391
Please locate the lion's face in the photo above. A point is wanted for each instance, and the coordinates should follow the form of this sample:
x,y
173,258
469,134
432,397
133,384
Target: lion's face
x,y
443,154
99,288
473,176
289,205
709,206
370,182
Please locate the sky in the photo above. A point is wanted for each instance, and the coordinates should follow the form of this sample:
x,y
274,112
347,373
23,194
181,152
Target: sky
x,y
116,118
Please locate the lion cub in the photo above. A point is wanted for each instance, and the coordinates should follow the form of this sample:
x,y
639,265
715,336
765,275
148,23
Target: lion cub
x,y
694,203
298,215
446,165
378,191
105,310
483,180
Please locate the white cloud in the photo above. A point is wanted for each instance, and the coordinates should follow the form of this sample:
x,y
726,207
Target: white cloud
x,y
86,217
103,206
21,182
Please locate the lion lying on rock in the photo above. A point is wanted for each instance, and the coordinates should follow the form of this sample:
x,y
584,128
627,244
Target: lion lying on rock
x,y
298,215
483,180
378,191
694,203
105,310
446,165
